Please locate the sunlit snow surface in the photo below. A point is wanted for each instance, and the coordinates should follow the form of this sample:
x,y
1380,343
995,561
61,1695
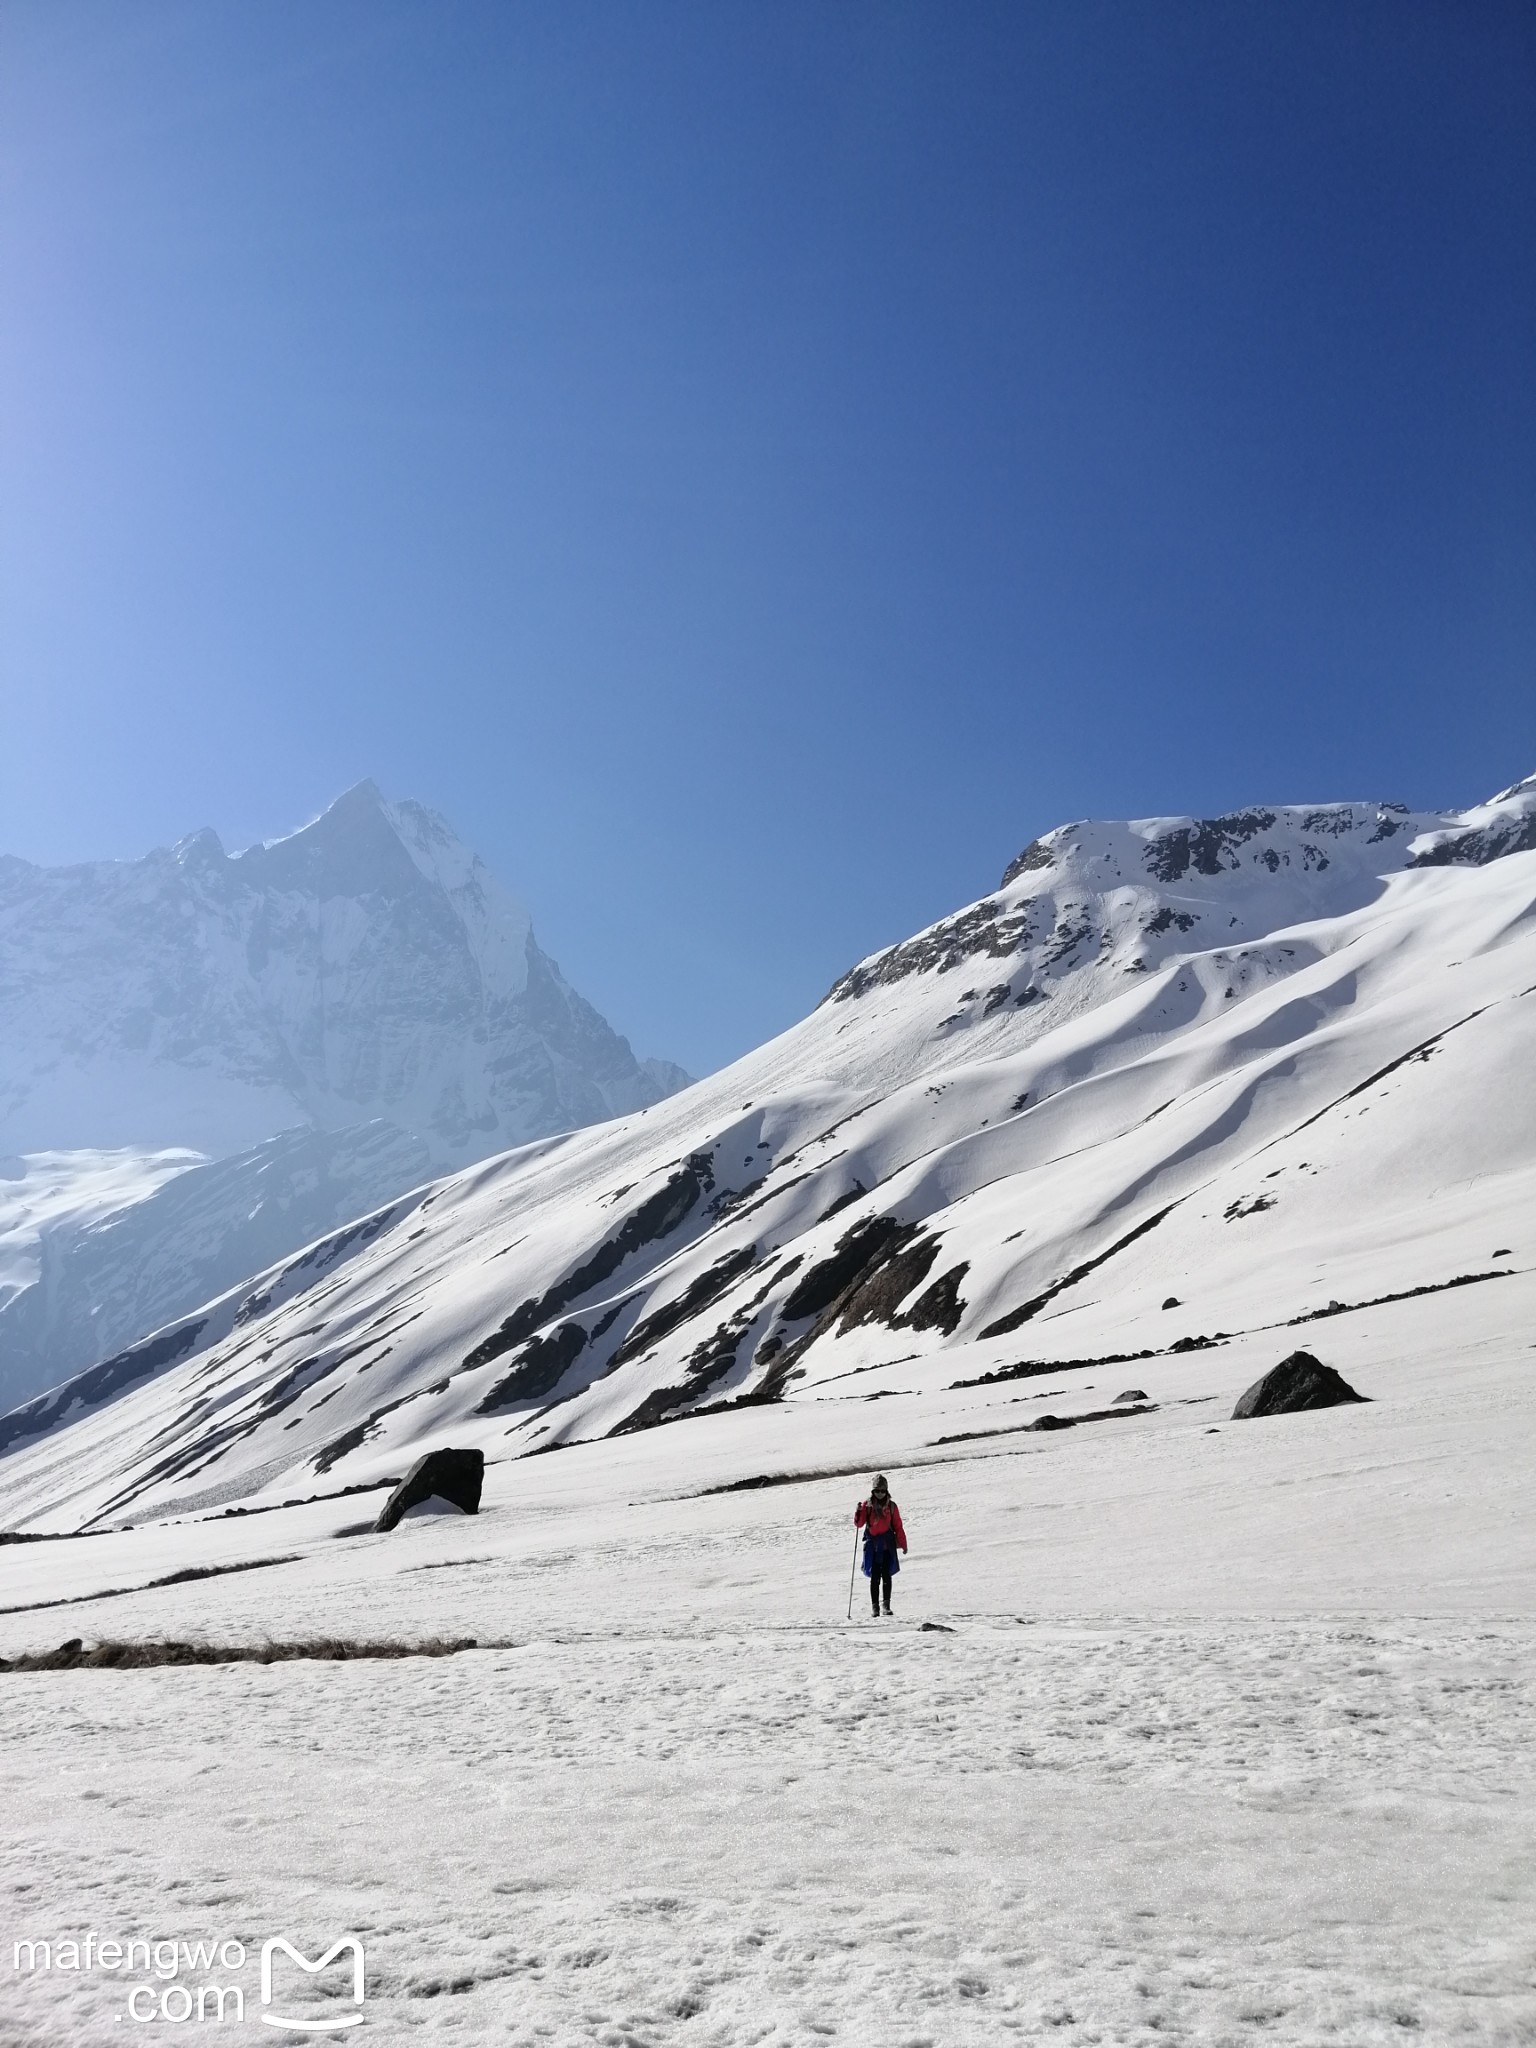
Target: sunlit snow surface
x,y
1227,1735
43,1191
1231,1741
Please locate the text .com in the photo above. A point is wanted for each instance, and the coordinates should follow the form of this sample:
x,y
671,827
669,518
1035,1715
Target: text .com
x,y
193,1980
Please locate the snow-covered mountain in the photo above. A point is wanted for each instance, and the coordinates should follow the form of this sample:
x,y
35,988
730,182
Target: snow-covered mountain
x,y
1171,1082
326,1020
368,965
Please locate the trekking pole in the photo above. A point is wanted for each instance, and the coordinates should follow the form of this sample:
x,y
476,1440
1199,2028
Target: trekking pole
x,y
853,1575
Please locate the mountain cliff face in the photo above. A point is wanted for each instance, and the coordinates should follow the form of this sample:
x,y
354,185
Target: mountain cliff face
x,y
1254,1069
366,966
327,1020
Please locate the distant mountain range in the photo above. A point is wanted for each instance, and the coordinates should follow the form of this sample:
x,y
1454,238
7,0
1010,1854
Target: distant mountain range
x,y
1171,1080
326,1020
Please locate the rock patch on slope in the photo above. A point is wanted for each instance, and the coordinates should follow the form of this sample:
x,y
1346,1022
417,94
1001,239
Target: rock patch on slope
x,y
455,1476
1296,1383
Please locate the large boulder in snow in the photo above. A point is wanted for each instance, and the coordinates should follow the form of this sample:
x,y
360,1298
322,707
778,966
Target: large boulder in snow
x,y
1300,1381
453,1476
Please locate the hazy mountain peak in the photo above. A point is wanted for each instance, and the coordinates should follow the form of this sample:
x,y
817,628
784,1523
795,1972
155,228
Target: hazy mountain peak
x,y
328,1017
203,848
368,964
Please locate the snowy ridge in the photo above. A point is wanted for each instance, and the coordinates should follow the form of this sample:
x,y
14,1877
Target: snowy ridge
x,y
1270,1065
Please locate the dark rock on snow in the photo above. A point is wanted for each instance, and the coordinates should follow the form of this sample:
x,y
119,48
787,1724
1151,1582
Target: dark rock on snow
x,y
656,1218
1296,1383
454,1476
940,1307
1131,1394
859,1254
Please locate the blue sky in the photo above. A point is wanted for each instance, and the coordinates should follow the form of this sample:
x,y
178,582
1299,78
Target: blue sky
x,y
754,466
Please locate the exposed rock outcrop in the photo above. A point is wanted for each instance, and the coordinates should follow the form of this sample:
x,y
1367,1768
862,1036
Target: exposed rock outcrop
x,y
451,1475
1296,1383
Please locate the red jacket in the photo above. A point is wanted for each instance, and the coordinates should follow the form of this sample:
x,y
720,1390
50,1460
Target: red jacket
x,y
880,1521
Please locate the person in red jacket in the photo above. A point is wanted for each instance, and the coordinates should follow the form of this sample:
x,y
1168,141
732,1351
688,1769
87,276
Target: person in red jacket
x,y
880,1519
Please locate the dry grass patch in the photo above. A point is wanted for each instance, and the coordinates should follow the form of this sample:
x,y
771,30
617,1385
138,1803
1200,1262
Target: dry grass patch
x,y
121,1656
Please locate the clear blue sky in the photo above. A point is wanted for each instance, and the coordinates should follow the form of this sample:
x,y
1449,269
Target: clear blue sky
x,y
752,466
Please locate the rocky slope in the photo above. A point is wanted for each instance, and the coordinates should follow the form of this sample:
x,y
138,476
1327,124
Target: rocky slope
x,y
1172,1080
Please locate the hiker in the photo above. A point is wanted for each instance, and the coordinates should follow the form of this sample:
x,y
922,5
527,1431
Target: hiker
x,y
880,1519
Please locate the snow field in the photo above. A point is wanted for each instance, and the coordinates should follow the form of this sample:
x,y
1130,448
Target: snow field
x,y
1225,1738
1302,1831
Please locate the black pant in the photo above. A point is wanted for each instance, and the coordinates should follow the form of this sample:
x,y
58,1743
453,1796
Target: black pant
x,y
879,1576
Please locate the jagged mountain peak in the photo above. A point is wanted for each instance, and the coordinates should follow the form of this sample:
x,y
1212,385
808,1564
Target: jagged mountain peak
x,y
362,846
201,849
366,964
331,1016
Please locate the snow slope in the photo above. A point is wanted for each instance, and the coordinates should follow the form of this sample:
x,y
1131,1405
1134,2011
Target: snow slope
x,y
97,1282
1223,1734
1186,1730
330,1018
1262,1064
67,1192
